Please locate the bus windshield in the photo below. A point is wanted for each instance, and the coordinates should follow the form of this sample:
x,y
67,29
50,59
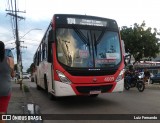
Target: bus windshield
x,y
84,48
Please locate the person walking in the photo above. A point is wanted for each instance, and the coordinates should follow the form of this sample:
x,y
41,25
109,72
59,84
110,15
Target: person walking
x,y
146,75
6,72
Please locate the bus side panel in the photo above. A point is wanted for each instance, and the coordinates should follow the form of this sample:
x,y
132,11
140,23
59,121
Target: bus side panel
x,y
37,76
40,75
50,78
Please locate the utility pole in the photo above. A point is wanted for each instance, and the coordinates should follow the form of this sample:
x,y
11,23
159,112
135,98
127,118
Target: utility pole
x,y
18,45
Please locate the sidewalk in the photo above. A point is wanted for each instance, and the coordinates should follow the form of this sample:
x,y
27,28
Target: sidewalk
x,y
17,104
155,86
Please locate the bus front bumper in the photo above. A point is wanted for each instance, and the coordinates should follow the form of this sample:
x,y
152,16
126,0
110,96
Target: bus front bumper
x,y
63,89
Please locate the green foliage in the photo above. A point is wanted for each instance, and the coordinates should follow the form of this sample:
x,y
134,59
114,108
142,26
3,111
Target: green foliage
x,y
30,69
140,41
15,67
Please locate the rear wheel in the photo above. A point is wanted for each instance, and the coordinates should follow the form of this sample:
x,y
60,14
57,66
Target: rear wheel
x,y
45,83
38,87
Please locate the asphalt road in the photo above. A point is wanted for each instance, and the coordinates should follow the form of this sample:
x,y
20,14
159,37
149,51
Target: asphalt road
x,y
128,102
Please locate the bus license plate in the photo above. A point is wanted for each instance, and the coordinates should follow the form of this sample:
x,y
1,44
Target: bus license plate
x,y
95,92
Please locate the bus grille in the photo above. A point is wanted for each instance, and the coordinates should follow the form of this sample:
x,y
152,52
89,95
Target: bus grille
x,y
87,89
91,73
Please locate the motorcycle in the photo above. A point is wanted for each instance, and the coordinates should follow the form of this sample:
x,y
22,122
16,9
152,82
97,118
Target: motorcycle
x,y
135,82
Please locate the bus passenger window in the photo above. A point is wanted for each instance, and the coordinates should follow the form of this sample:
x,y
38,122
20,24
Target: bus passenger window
x,y
38,58
51,36
49,57
44,51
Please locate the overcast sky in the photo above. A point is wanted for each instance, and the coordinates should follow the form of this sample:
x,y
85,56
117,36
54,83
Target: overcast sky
x,y
39,13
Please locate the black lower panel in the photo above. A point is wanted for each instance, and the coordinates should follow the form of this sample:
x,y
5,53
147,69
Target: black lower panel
x,y
87,89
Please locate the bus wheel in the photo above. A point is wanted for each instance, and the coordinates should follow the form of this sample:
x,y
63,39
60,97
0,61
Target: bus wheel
x,y
52,97
38,87
94,95
45,83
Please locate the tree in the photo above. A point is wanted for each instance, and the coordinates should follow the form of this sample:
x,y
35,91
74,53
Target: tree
x,y
15,67
140,41
28,70
31,68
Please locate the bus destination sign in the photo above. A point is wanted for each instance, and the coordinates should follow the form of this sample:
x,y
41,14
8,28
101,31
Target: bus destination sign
x,y
88,22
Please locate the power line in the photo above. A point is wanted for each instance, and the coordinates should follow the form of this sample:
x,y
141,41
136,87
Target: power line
x,y
9,6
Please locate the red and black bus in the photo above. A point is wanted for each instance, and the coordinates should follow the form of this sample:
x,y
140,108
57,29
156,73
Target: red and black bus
x,y
80,55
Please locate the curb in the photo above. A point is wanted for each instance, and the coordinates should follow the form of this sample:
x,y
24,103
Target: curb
x,y
30,107
152,86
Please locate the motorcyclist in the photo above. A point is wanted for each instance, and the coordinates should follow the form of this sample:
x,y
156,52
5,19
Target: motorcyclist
x,y
130,73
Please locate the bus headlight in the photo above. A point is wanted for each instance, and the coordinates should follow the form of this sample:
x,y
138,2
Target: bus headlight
x,y
120,76
63,78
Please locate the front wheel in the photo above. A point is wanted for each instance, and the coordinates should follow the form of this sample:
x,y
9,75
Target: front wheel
x,y
53,97
50,96
141,86
126,85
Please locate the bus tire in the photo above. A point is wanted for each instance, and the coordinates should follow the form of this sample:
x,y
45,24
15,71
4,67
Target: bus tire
x,y
52,97
38,87
45,83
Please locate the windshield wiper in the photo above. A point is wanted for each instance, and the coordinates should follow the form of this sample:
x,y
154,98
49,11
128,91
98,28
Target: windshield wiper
x,y
88,44
100,36
98,39
95,44
80,34
83,38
